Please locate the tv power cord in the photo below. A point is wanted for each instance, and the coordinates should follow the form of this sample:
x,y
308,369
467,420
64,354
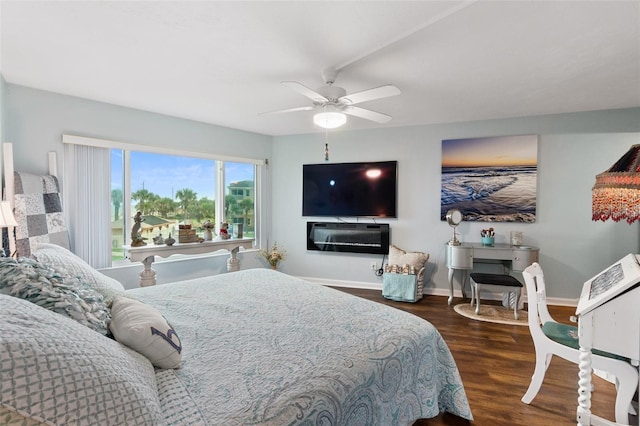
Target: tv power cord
x,y
379,272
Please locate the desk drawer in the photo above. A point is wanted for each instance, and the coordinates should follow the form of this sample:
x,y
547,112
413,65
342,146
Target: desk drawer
x,y
460,257
522,258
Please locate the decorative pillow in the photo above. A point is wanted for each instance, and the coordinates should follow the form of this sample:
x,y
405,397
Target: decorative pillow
x,y
68,264
417,259
55,371
144,329
32,281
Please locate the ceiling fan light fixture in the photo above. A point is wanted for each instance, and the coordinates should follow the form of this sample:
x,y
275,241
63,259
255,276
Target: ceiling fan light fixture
x,y
329,119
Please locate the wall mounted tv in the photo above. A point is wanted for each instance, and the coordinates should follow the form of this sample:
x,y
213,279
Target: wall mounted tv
x,y
350,189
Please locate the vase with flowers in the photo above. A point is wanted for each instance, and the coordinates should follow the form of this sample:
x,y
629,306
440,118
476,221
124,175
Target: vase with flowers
x,y
274,255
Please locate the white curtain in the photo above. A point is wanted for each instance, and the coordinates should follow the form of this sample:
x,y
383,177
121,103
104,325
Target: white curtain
x,y
87,202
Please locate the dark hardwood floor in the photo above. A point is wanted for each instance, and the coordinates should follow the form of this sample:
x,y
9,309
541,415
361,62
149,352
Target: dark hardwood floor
x,y
496,362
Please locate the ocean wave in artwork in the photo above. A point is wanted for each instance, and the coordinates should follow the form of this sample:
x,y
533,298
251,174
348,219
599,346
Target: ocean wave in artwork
x,y
497,194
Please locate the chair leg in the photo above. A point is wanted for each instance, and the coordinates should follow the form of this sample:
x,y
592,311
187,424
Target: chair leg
x,y
477,294
542,362
515,305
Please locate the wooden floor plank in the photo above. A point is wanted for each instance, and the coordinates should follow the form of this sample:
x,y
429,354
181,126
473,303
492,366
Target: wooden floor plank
x,y
496,362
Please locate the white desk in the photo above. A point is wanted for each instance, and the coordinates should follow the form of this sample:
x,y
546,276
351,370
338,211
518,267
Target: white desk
x,y
608,320
146,254
462,257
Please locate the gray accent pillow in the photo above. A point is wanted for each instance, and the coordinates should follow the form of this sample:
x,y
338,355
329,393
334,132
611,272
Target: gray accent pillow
x,y
54,370
28,279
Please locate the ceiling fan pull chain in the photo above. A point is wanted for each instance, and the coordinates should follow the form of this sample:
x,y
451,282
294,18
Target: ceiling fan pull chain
x,y
326,145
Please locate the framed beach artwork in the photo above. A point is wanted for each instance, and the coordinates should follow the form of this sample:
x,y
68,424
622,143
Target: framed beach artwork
x,y
491,179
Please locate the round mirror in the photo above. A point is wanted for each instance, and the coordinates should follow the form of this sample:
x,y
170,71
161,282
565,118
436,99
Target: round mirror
x,y
454,217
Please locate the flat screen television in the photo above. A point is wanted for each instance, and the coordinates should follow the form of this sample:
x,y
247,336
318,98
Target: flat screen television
x,y
350,189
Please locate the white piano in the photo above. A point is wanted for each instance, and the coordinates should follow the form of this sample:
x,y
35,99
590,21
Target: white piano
x,y
609,320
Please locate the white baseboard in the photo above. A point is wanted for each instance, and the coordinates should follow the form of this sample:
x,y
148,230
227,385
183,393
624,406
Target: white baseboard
x,y
556,301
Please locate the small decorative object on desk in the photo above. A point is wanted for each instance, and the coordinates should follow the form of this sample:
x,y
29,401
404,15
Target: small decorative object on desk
x,y
186,234
208,228
274,255
158,240
516,238
136,238
487,237
224,231
169,241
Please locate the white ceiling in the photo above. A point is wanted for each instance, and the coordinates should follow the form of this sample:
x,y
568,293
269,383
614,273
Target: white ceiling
x,y
222,62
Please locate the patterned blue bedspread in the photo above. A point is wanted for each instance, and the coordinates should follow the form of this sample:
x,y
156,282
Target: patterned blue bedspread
x,y
264,348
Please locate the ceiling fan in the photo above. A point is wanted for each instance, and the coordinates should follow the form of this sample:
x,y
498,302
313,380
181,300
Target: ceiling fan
x,y
335,102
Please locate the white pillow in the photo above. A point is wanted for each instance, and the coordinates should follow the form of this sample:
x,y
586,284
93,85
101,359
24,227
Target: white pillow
x,y
56,371
144,329
67,263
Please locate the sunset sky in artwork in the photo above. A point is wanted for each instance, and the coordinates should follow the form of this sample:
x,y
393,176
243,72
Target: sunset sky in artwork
x,y
492,151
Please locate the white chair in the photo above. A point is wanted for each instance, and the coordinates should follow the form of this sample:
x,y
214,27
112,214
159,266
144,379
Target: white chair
x,y
553,338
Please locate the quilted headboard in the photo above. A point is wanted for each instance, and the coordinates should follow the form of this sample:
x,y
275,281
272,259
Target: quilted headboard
x,y
38,211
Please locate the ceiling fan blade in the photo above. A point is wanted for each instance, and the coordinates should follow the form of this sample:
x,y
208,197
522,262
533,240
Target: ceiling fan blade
x,y
370,94
304,90
367,114
304,108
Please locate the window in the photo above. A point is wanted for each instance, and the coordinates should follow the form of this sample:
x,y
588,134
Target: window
x,y
170,188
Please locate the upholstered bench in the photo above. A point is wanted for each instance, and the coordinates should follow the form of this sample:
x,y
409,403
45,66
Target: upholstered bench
x,y
494,280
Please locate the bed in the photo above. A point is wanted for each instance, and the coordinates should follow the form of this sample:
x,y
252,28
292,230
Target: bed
x,y
254,347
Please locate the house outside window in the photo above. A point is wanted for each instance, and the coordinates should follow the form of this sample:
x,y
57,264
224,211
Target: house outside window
x,y
239,205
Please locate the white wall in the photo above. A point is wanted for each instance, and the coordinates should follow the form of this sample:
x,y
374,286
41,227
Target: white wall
x,y
572,149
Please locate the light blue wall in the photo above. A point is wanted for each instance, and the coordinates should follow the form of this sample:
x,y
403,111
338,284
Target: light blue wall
x,y
572,149
2,102
2,121
35,121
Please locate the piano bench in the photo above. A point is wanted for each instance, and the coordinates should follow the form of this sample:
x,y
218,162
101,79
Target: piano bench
x,y
494,280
